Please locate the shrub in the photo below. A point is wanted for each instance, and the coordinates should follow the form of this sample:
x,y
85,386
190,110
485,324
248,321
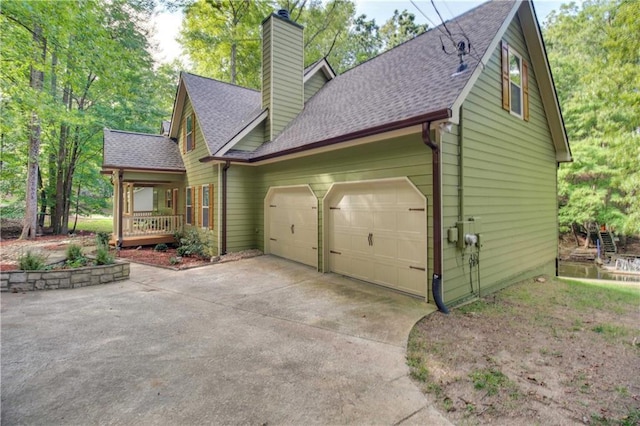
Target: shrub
x,y
103,256
74,253
191,244
174,260
31,261
102,238
161,247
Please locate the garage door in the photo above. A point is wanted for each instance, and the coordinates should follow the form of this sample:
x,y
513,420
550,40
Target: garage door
x,y
377,232
291,221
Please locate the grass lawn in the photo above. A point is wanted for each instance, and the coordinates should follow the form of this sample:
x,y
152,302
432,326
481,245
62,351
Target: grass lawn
x,y
93,223
553,352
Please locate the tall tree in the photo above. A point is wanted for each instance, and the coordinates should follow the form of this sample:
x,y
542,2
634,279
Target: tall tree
x,y
36,81
399,28
96,69
593,52
222,38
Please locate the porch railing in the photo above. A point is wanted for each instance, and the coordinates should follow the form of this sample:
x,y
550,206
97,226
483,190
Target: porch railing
x,y
151,225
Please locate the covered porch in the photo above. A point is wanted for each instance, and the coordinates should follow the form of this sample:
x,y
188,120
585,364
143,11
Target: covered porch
x,y
146,208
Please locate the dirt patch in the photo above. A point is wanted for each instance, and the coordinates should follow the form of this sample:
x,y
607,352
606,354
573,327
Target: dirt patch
x,y
12,249
536,353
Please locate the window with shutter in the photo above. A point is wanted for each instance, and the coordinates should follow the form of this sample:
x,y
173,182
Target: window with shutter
x,y
515,82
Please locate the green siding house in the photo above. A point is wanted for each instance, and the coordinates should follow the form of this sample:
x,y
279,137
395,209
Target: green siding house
x,y
425,172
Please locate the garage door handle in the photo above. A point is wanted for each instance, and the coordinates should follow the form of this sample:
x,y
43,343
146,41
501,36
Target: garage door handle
x,y
370,239
417,267
292,231
273,239
334,252
416,210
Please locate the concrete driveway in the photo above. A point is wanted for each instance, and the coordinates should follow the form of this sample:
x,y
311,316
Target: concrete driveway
x,y
260,341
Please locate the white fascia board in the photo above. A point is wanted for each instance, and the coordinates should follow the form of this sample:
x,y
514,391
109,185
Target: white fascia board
x,y
321,65
542,70
243,133
178,106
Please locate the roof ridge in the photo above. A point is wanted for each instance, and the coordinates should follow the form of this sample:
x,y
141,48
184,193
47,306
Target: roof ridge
x,y
422,34
136,133
220,81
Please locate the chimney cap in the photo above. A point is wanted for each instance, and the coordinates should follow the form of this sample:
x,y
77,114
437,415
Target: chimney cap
x,y
283,13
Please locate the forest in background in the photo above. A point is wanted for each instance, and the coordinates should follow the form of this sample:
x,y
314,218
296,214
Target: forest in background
x,y
71,68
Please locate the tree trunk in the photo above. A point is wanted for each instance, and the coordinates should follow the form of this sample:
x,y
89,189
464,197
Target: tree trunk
x,y
43,201
575,234
234,49
57,217
36,80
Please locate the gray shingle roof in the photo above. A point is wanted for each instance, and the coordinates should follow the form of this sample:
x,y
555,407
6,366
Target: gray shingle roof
x,y
410,80
222,109
128,150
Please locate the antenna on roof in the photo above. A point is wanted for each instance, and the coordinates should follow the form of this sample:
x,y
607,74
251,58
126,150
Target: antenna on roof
x,y
462,48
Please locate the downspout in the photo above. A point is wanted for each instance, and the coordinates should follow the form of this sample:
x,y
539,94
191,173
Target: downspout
x,y
223,244
436,284
120,204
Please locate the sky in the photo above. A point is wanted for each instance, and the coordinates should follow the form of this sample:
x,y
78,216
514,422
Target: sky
x,y
168,24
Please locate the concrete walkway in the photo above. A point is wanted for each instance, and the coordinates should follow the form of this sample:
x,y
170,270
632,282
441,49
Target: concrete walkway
x,y
260,341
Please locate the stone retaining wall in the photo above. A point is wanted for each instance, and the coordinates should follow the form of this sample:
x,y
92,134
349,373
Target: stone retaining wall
x,y
67,278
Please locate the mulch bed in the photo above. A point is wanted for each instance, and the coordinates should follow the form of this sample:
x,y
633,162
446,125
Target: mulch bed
x,y
149,256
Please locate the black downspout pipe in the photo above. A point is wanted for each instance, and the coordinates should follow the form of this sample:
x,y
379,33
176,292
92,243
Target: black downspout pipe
x,y
436,284
120,207
223,245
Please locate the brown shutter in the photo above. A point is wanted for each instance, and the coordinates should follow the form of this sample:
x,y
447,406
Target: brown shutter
x,y
525,90
184,136
506,101
193,130
175,201
186,219
210,206
199,206
193,206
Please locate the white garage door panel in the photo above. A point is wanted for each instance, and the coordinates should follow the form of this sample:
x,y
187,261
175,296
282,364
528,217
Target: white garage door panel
x,y
292,224
377,233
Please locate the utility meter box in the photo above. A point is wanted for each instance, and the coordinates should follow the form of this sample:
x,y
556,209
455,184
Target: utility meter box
x,y
464,228
471,226
475,225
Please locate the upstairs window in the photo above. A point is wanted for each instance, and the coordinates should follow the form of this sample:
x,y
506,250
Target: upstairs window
x,y
515,82
189,137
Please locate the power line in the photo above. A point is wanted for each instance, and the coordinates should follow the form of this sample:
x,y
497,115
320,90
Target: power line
x,y
441,20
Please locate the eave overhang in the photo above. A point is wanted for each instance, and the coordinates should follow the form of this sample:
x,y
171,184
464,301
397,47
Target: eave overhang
x,y
443,114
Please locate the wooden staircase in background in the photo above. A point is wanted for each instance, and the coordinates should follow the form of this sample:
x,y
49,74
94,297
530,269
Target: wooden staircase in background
x,y
607,244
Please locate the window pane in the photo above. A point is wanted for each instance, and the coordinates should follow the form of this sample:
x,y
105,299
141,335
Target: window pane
x,y
205,196
189,123
189,215
514,69
516,99
188,198
205,217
